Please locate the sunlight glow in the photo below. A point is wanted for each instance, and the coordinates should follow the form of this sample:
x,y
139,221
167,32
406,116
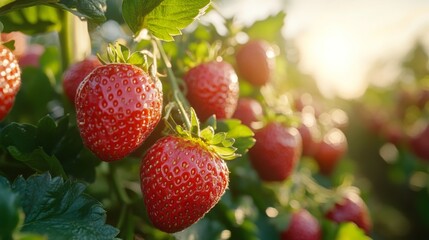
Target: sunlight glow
x,y
335,52
349,45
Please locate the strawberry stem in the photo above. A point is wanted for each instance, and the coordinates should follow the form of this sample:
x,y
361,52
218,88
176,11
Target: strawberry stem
x,y
117,185
65,36
178,96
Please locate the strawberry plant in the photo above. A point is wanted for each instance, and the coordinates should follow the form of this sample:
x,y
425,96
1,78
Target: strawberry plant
x,y
160,127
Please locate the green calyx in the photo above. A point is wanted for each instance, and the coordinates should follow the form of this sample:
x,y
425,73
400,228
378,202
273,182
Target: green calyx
x,y
10,44
119,53
219,142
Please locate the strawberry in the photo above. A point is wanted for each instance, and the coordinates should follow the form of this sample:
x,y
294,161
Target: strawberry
x,y
212,88
182,178
276,152
302,226
351,209
330,150
310,133
117,106
32,56
10,80
75,74
255,61
248,110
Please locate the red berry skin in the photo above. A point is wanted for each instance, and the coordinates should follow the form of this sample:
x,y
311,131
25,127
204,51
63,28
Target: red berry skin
x,y
248,110
255,61
212,88
10,80
351,209
419,144
302,226
276,152
181,180
75,74
310,133
330,150
31,58
117,107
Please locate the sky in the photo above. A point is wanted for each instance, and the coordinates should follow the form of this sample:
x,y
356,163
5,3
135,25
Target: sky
x,y
346,45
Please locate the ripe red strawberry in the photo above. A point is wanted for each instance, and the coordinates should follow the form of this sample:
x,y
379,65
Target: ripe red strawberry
x,y
32,56
351,209
276,152
10,80
330,150
75,74
310,133
255,61
248,110
212,88
181,180
302,226
117,107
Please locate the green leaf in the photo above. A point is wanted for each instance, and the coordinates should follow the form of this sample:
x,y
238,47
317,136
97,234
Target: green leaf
x,y
135,11
21,136
242,134
52,146
39,161
350,231
50,62
10,210
49,132
31,20
29,236
76,160
162,18
18,11
236,129
32,100
91,9
60,210
5,2
268,29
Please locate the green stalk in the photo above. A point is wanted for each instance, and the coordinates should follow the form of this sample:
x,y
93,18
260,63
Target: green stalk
x,y
122,215
66,38
178,96
117,185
